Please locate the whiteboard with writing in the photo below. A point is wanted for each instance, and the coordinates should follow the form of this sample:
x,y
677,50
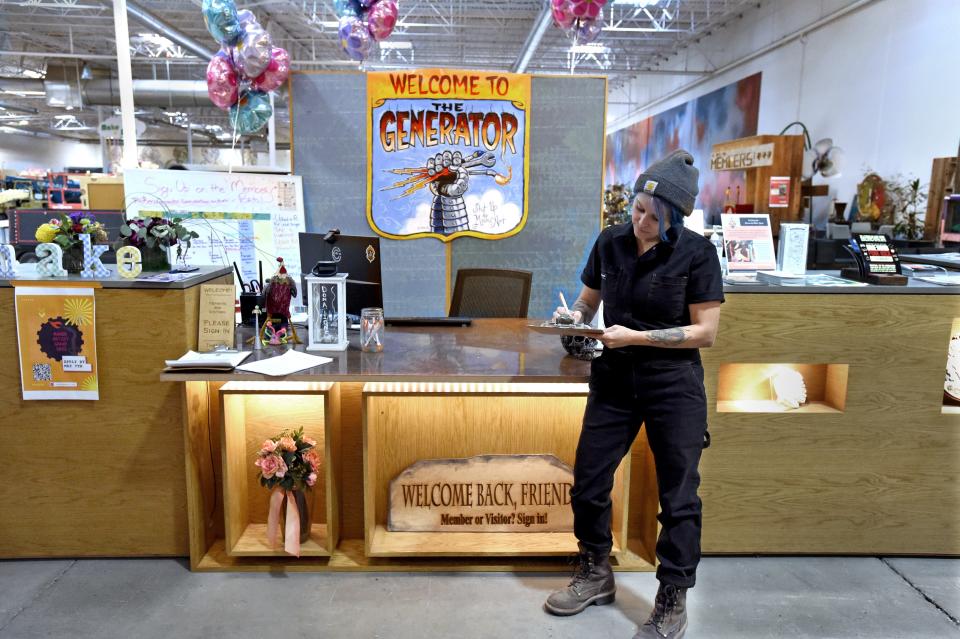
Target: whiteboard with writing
x,y
242,218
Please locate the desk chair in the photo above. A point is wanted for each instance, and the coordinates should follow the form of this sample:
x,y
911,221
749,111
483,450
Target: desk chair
x,y
491,292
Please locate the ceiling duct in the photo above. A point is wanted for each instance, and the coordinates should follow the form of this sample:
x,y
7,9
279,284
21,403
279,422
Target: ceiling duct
x,y
106,91
148,93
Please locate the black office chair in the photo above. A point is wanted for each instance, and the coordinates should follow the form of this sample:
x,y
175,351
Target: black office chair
x,y
491,292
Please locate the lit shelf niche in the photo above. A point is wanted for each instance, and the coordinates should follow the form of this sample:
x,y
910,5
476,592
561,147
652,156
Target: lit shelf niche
x,y
753,388
951,382
253,412
408,422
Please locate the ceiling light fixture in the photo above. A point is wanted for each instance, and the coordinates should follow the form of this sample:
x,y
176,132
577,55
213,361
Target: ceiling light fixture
x,y
25,94
589,49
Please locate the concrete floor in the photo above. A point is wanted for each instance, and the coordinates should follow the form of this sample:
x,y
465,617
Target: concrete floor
x,y
872,598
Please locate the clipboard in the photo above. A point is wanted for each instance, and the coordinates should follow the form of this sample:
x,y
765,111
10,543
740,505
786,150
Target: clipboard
x,y
568,329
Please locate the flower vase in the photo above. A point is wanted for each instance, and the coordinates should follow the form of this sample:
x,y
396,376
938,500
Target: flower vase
x,y
154,258
303,506
73,258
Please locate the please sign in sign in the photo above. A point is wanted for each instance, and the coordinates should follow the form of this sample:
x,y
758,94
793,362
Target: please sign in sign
x,y
487,493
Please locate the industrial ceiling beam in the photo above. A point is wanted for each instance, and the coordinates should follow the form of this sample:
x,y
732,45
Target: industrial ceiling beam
x,y
143,16
540,26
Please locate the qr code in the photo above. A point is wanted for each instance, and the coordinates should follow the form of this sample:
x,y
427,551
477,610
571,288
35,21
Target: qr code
x,y
42,373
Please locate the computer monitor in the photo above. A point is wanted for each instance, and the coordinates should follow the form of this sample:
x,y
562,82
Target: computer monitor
x,y
356,255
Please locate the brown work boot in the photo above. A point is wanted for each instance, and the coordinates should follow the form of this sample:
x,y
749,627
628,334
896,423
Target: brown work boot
x,y
669,617
592,583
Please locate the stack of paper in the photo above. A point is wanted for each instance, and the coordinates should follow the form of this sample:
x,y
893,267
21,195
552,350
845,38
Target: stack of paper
x,y
952,279
290,362
217,360
779,277
740,278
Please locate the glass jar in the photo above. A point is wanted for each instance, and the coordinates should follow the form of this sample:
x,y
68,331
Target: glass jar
x,y
371,330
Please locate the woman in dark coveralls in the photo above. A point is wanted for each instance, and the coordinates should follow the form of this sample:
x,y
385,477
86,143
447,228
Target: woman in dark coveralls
x,y
661,288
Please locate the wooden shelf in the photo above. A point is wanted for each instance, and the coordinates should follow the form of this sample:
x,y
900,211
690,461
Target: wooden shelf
x,y
349,556
253,542
252,412
456,544
749,387
770,406
475,388
404,424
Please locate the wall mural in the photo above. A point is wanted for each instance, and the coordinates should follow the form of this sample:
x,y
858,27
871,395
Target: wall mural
x,y
725,114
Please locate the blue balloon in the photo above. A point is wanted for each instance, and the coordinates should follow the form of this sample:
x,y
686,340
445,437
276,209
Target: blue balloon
x,y
221,19
251,112
346,8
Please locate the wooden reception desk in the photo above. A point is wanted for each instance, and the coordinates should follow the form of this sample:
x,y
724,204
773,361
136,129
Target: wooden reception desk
x,y
102,478
867,466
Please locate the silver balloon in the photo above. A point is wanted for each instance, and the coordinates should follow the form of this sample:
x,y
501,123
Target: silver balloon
x,y
587,30
252,54
245,16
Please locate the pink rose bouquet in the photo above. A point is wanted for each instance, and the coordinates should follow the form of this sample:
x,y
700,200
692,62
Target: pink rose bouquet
x,y
288,461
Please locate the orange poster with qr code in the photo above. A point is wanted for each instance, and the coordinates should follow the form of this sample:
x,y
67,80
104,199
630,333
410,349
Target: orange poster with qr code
x,y
56,332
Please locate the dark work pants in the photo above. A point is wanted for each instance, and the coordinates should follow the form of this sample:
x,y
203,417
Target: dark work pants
x,y
670,401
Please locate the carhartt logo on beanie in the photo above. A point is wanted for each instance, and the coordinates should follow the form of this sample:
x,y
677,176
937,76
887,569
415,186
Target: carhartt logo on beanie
x,y
674,179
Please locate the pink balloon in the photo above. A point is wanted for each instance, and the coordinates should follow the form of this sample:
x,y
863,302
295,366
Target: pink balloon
x,y
587,8
276,73
222,81
382,18
563,13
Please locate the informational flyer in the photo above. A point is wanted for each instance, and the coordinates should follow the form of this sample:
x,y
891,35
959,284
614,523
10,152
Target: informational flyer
x,y
448,153
779,192
748,242
216,316
877,255
56,333
792,251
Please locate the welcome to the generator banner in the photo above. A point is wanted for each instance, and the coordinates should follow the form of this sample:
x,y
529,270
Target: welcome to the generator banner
x,y
448,153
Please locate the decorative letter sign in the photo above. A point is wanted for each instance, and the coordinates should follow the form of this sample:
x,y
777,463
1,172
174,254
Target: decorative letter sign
x,y
51,260
8,261
92,266
128,262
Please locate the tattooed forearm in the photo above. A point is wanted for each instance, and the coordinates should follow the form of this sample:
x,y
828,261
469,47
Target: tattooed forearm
x,y
671,336
585,311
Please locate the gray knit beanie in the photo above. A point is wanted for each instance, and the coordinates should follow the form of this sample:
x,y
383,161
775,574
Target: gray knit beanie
x,y
674,179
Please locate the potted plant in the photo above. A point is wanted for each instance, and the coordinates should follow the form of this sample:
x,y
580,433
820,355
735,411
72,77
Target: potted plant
x,y
154,236
288,465
616,205
66,230
907,198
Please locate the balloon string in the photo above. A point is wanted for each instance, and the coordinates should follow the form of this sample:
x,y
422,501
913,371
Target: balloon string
x,y
234,136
